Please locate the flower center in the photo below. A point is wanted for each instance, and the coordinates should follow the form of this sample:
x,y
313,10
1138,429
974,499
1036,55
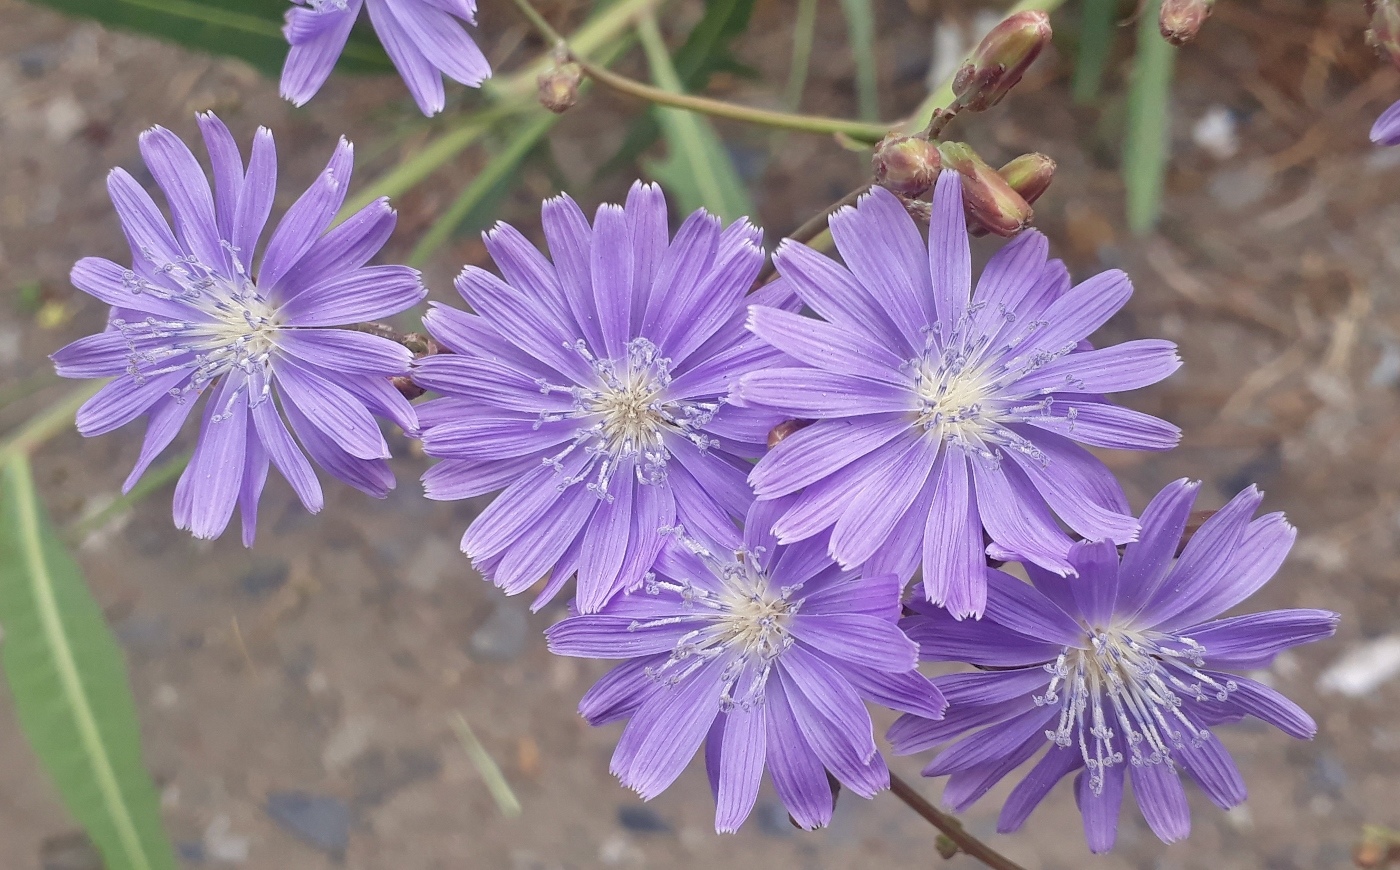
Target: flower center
x,y
630,415
230,325
1134,681
956,400
741,617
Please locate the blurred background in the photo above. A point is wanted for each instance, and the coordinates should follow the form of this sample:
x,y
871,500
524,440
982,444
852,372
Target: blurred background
x,y
302,703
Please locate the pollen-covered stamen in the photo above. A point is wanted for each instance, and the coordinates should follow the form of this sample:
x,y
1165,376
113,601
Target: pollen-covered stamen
x,y
230,326
1134,681
630,414
741,617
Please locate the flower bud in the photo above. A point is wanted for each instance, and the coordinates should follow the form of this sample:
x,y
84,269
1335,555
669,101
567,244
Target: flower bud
x,y
784,429
1181,20
1001,59
1384,33
1029,175
991,203
558,88
906,165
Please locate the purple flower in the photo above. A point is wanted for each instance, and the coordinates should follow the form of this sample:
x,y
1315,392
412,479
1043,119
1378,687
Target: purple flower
x,y
592,390
422,37
942,411
1120,672
767,656
193,314
1387,127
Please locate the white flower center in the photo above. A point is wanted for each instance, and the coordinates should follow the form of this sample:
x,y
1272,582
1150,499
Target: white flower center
x,y
746,620
630,414
1133,680
955,399
230,326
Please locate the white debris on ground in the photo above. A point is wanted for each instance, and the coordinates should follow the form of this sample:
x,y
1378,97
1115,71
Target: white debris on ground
x,y
1216,133
1363,668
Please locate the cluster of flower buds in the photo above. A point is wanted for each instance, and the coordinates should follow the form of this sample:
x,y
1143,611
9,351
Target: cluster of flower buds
x,y
993,205
558,88
906,165
1000,60
1384,32
1181,20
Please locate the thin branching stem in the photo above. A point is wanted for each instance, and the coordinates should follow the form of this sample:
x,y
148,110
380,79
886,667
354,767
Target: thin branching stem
x,y
951,827
861,130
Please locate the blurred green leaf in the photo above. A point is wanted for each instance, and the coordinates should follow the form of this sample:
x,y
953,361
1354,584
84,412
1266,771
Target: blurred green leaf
x,y
1096,30
69,684
697,170
705,51
246,29
493,181
860,25
804,31
1146,145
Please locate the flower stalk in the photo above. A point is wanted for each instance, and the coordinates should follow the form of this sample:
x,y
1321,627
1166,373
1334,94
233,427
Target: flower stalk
x,y
950,827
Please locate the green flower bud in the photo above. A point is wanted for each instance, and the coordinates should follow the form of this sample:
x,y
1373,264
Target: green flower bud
x,y
1001,59
1029,175
907,166
991,203
1181,20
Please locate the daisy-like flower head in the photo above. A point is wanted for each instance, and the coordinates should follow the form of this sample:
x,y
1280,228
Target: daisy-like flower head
x,y
941,411
1119,673
767,656
424,38
194,314
1386,130
593,391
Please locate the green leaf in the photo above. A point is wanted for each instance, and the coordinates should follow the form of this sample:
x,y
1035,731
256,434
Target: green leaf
x,y
1145,147
1096,30
804,31
697,169
69,684
705,51
246,29
860,25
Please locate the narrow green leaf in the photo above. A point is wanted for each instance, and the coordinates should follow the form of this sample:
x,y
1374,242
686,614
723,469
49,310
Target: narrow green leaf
x,y
860,27
804,32
246,29
697,169
69,684
1145,147
1096,31
706,50
499,170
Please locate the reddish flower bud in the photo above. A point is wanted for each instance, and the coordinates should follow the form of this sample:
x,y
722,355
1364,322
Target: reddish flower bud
x,y
558,88
1001,59
907,166
991,203
1029,175
1181,20
1384,33
784,429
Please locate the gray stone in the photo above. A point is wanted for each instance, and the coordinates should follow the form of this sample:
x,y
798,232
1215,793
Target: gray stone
x,y
501,638
642,820
264,578
317,820
73,851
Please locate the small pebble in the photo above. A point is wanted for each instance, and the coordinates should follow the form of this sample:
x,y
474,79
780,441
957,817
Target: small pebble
x,y
1363,668
317,820
501,638
642,820
264,578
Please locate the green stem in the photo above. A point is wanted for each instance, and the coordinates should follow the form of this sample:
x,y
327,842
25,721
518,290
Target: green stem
x,y
861,130
44,426
804,31
943,97
587,41
1095,40
150,482
951,827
